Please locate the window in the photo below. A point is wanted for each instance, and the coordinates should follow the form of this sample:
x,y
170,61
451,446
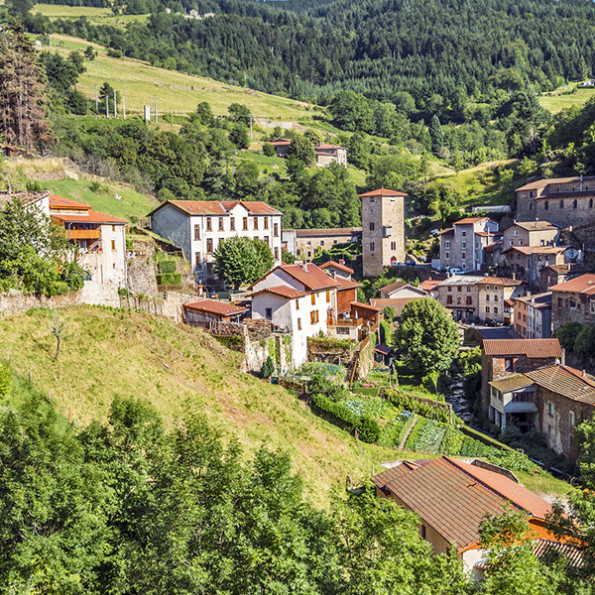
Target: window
x,y
393,245
520,242
266,240
508,365
313,299
314,317
459,288
592,306
550,409
371,226
372,247
276,230
209,224
463,234
449,299
220,223
495,310
487,298
449,288
276,253
530,205
297,304
209,246
574,204
268,312
571,419
423,531
463,256
496,298
255,222
468,288
266,223
469,301
516,232
561,204
572,304
447,255
197,259
510,242
463,244
232,224
487,309
245,224
299,324
113,228
322,242
447,243
546,205
590,203
328,297
487,288
197,232
113,245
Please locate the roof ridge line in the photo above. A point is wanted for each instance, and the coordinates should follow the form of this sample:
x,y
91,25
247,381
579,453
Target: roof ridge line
x,y
485,485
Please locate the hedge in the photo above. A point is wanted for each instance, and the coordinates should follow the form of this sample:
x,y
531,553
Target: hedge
x,y
368,391
367,426
167,267
169,279
417,405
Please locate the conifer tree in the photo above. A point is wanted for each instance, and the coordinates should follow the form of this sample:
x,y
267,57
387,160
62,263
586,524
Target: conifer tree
x,y
22,85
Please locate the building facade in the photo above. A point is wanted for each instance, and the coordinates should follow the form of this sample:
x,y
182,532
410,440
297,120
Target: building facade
x,y
562,201
533,316
462,246
309,241
495,298
383,230
197,227
460,295
327,154
530,233
528,262
574,301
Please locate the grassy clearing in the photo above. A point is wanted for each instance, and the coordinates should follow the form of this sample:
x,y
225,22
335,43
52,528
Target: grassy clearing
x,y
61,179
140,83
177,368
95,15
556,101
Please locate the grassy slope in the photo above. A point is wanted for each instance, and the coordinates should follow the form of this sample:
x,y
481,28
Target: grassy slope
x,y
54,175
112,352
141,83
556,102
95,15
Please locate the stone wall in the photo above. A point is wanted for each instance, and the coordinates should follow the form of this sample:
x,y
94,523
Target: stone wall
x,y
571,307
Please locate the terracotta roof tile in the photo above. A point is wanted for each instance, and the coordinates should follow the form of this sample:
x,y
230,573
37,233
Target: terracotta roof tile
x,y
448,230
345,284
429,284
330,232
468,220
454,497
397,304
499,281
383,192
535,225
566,381
583,284
537,184
531,348
218,207
313,278
59,202
89,217
215,307
537,249
283,291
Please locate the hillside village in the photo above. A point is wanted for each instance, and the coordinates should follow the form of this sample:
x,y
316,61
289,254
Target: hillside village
x,y
277,363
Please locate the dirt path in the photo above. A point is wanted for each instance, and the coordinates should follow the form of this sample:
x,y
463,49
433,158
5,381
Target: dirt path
x,y
404,441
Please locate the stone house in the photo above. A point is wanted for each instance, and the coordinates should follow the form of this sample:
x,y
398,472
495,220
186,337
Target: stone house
x,y
562,201
198,226
551,400
383,230
204,312
460,295
327,154
574,301
530,233
462,245
495,298
558,273
281,145
502,358
308,241
533,316
452,497
528,262
400,290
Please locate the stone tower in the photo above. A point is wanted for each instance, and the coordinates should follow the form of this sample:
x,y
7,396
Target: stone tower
x,y
383,230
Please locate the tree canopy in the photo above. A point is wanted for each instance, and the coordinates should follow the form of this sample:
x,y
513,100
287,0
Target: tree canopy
x,y
240,260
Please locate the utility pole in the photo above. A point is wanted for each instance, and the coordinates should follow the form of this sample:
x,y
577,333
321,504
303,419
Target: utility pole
x,y
106,105
96,101
115,106
156,117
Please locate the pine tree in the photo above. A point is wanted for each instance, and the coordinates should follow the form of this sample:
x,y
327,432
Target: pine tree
x,y
22,85
436,134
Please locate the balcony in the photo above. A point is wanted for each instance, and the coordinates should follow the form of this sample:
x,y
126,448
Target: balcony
x,y
83,234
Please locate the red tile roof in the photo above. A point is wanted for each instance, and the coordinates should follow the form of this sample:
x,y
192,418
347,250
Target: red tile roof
x,y
313,278
337,265
59,202
536,225
537,249
345,284
447,230
429,284
89,217
282,291
453,497
468,220
327,232
322,146
219,207
281,142
362,306
215,307
382,192
566,381
583,284
397,304
537,184
393,286
531,348
499,281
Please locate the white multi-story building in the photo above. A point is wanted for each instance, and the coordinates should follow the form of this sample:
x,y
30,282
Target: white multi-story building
x,y
197,227
300,298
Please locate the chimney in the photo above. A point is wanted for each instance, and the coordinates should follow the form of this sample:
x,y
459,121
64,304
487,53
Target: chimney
x,y
584,374
305,266
514,276
342,261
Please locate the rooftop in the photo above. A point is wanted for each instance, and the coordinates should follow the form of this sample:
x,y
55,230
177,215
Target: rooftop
x,y
219,207
448,230
453,497
535,225
382,192
531,348
538,249
538,300
461,280
345,284
313,278
429,284
336,265
397,285
499,281
215,307
283,291
332,231
511,383
564,380
470,220
397,304
583,284
537,184
59,202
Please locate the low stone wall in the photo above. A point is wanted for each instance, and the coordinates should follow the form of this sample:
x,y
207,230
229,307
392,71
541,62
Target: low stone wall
x,y
330,351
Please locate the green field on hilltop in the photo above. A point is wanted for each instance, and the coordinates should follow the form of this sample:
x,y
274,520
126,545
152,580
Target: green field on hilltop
x,y
556,102
140,83
94,14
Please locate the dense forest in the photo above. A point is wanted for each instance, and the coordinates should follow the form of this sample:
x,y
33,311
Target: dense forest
x,y
438,51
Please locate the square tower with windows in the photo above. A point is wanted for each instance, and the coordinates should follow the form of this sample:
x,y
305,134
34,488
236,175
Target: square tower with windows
x,y
383,230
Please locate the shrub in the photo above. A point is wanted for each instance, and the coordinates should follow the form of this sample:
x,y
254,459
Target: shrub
x,y
168,267
268,368
169,279
269,150
416,405
5,380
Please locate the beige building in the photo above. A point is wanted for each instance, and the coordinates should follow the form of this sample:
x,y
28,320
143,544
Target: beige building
x,y
528,262
197,227
308,241
496,295
462,245
530,233
383,230
327,154
460,295
562,201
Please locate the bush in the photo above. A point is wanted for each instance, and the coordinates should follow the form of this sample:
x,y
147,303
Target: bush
x,y
366,390
5,380
168,267
268,368
416,405
269,150
169,279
